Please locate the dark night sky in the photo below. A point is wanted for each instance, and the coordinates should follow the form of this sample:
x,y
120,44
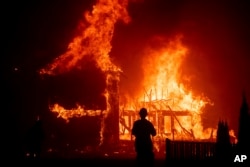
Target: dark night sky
x,y
217,34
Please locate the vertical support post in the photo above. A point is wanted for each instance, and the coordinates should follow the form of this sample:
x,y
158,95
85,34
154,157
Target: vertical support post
x,y
111,125
172,126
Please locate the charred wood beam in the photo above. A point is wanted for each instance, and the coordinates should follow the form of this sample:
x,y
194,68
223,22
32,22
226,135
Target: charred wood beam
x,y
123,123
163,112
184,129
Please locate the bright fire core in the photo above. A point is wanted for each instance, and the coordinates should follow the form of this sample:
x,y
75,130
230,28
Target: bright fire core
x,y
173,109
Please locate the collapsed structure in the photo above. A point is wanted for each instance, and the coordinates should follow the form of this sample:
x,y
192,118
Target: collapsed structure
x,y
164,119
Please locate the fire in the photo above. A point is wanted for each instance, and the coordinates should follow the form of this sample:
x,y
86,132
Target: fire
x,y
79,111
94,40
163,93
172,107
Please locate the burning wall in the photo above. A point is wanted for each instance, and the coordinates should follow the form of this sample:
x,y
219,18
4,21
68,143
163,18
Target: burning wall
x,y
94,42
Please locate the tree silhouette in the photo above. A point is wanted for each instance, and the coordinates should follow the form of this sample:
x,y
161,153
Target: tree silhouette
x,y
244,125
223,133
223,144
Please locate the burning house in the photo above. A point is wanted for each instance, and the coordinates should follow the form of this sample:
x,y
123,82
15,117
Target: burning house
x,y
175,111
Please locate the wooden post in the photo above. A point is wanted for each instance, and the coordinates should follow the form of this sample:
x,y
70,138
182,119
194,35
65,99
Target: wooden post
x,y
111,122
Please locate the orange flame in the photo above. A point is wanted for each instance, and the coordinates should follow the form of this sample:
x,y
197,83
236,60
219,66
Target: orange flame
x,y
79,111
94,40
162,91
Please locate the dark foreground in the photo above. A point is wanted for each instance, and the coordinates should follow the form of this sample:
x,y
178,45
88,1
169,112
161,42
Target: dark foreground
x,y
98,162
109,162
86,162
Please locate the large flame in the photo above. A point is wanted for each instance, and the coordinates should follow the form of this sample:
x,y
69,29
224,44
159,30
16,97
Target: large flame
x,y
163,91
93,42
95,38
